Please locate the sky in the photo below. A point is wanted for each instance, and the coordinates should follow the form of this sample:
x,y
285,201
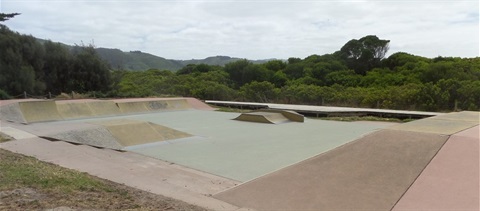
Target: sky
x,y
252,29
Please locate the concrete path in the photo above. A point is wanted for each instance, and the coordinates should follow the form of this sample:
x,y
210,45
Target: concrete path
x,y
323,109
131,169
451,180
16,133
371,173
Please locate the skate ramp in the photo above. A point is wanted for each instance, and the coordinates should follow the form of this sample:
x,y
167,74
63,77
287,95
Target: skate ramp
x,y
447,124
291,115
103,108
371,173
470,116
39,111
74,110
132,107
451,180
178,104
133,132
197,104
270,116
30,111
146,106
12,113
96,136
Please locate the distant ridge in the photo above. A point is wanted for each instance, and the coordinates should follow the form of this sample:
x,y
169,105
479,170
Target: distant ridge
x,y
140,61
136,60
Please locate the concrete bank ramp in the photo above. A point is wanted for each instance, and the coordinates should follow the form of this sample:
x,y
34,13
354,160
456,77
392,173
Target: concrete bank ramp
x,y
133,132
96,136
117,134
12,113
74,110
271,116
39,111
446,124
32,111
103,108
146,106
371,173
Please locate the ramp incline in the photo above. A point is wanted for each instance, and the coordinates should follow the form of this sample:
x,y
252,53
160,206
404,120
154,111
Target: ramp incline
x,y
103,108
11,112
96,136
447,124
39,111
270,116
133,132
31,111
74,110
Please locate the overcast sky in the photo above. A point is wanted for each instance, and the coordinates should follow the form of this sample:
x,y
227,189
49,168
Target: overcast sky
x,y
252,29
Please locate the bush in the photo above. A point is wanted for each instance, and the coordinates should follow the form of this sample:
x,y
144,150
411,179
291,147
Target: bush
x,y
4,95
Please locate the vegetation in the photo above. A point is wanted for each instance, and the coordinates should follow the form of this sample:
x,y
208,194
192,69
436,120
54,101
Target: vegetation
x,y
29,184
401,81
140,61
365,118
4,137
357,75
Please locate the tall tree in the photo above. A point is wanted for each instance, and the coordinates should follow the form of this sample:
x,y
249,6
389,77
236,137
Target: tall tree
x,y
364,54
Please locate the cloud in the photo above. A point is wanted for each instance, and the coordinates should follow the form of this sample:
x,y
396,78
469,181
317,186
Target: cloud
x,y
188,29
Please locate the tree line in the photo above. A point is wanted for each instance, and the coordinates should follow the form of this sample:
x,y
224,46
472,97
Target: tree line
x,y
30,65
401,81
357,75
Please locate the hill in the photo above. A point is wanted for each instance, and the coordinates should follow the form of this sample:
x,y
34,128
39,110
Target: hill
x,y
136,60
139,61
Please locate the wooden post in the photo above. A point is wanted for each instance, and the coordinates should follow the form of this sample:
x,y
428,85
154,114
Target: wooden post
x,y
25,94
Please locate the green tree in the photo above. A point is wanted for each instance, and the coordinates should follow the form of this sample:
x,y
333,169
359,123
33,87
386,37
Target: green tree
x,y
57,68
244,71
364,54
89,72
260,91
6,16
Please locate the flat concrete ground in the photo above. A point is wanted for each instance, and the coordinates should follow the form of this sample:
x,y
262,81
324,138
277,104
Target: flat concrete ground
x,y
244,150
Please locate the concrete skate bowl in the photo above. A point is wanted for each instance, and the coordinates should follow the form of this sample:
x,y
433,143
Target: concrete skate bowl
x,y
32,111
118,134
271,116
398,168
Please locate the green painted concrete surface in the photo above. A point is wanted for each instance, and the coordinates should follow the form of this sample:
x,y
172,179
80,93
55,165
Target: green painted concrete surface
x,y
244,150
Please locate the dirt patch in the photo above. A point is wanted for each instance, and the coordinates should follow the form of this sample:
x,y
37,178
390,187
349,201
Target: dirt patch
x,y
29,184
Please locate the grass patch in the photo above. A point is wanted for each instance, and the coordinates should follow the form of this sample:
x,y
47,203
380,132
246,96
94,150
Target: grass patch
x,y
365,118
233,110
19,171
4,138
29,184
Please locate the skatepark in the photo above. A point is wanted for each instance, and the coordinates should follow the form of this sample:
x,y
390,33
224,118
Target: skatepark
x,y
263,160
